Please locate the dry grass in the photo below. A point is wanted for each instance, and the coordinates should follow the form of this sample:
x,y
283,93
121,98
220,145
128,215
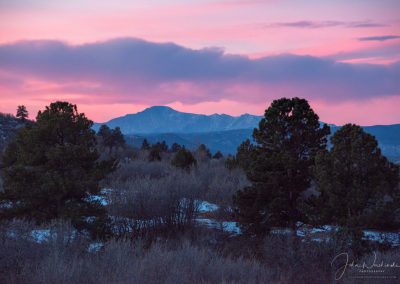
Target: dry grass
x,y
194,257
123,262
1,185
154,206
149,198
218,184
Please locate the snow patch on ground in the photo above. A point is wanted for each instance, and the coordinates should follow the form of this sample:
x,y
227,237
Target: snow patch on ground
x,y
229,227
103,198
41,236
95,247
318,234
206,207
382,237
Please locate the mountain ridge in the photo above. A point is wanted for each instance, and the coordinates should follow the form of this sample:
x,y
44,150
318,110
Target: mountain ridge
x,y
162,119
218,131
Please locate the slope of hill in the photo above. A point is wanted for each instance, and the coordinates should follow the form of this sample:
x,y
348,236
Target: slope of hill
x,y
227,142
161,119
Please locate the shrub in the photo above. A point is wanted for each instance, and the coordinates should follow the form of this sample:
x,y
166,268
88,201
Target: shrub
x,y
125,262
218,155
183,159
144,205
154,154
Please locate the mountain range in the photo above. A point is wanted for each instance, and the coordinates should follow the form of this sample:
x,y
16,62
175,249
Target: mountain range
x,y
161,119
217,131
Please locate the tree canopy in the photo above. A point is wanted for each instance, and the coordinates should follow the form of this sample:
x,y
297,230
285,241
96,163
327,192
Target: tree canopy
x,y
156,150
358,186
111,138
218,155
183,159
145,145
203,153
22,113
51,170
176,147
279,168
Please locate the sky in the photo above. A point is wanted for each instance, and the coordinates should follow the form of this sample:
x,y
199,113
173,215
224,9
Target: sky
x,y
203,56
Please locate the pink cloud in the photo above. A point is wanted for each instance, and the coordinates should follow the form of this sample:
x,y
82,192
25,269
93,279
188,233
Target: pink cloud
x,y
197,79
239,26
136,72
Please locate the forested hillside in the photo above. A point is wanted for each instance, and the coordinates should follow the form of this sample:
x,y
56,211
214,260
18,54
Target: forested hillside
x,y
227,142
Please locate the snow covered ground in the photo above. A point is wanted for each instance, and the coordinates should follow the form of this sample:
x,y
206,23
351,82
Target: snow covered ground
x,y
229,227
103,198
390,237
319,234
205,207
41,236
315,234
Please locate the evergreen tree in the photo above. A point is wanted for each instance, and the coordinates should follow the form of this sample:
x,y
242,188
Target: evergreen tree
x,y
184,159
22,113
287,140
51,170
104,134
203,148
245,154
231,162
163,147
117,138
155,153
156,150
176,147
203,154
359,187
104,131
111,138
218,155
145,145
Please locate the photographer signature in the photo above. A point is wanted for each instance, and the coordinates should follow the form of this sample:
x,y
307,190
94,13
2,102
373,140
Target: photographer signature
x,y
343,260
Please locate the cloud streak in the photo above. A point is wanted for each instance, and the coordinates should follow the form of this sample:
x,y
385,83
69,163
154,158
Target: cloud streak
x,y
326,24
379,38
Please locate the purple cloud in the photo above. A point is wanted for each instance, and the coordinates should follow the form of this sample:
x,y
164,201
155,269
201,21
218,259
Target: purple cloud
x,y
326,24
139,71
385,52
378,38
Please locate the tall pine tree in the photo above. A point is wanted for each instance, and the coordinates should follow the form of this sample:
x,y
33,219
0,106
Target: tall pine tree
x,y
22,113
359,187
51,170
287,140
